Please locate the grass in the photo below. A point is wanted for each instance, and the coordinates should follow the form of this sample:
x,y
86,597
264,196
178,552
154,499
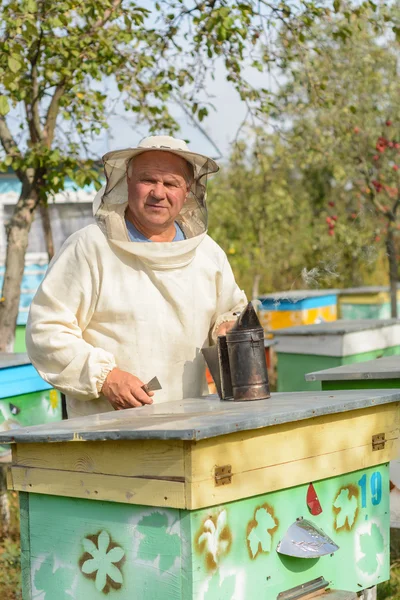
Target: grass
x,y
10,572
390,590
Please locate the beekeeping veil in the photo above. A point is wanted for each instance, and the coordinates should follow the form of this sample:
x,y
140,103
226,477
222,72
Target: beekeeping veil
x,y
193,216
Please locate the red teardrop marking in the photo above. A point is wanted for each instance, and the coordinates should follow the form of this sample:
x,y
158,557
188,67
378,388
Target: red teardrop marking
x,y
312,501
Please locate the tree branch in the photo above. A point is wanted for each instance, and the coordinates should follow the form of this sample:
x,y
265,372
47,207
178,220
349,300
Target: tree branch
x,y
32,104
52,112
7,140
9,144
107,14
35,104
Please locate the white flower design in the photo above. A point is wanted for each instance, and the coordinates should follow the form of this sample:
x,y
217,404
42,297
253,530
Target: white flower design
x,y
102,561
215,537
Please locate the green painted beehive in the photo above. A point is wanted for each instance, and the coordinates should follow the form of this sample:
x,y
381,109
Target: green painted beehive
x,y
25,398
367,302
382,373
307,348
209,500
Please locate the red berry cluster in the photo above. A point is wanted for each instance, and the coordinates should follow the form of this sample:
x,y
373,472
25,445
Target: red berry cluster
x,y
377,185
383,144
331,220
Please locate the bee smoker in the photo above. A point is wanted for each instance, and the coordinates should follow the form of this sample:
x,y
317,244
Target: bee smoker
x,y
237,363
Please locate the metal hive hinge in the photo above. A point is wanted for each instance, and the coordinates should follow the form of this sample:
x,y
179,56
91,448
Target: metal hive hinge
x,y
223,475
378,441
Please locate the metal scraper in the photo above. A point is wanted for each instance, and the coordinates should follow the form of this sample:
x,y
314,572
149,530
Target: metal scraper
x,y
152,386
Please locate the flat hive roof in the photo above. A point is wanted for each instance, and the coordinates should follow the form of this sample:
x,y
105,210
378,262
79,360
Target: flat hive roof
x,y
201,418
387,367
339,327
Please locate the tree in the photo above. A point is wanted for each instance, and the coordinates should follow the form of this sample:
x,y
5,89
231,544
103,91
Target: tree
x,y
289,206
337,100
259,215
379,185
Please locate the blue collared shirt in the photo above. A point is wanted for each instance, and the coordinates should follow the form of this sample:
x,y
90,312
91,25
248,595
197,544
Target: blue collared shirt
x,y
137,236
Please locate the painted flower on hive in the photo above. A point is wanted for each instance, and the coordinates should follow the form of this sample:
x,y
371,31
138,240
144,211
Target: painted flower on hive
x,y
345,508
102,561
371,554
215,539
260,531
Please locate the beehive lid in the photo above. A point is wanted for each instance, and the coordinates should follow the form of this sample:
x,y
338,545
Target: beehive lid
x,y
12,359
201,418
339,327
387,367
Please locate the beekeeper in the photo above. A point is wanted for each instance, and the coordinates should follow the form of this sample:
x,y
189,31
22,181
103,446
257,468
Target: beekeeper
x,y
139,293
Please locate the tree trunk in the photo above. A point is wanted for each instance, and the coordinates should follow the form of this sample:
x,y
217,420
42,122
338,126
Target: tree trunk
x,y
391,253
17,244
47,230
256,290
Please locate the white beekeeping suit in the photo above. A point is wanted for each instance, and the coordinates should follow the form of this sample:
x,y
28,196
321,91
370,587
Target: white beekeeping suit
x,y
146,308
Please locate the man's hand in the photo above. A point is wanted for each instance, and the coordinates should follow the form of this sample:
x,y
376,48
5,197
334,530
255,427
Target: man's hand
x,y
123,390
225,327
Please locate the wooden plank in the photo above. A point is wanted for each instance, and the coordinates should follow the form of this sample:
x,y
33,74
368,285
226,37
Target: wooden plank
x,y
288,442
129,490
276,477
121,457
264,460
290,454
188,448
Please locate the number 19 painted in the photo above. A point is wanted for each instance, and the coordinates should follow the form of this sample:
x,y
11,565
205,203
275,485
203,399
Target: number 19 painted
x,y
375,486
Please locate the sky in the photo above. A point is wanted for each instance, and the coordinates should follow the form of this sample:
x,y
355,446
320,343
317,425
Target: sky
x,y
221,124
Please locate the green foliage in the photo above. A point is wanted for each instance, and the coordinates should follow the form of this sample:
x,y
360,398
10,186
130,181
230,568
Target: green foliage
x,y
53,57
254,210
298,207
10,571
10,586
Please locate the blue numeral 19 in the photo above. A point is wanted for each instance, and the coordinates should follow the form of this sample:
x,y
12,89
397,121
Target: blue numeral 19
x,y
376,489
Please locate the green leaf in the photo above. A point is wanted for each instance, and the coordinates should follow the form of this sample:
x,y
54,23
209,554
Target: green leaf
x,y
336,5
203,112
14,63
4,106
31,6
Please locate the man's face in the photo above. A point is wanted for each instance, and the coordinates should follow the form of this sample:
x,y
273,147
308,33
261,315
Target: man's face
x,y
157,189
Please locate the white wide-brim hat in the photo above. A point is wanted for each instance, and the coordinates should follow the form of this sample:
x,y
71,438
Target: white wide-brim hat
x,y
116,164
118,160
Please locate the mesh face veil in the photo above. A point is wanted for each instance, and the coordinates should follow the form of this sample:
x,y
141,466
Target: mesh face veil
x,y
193,216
